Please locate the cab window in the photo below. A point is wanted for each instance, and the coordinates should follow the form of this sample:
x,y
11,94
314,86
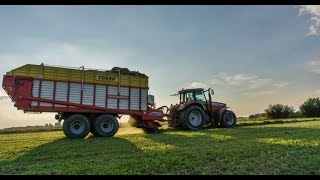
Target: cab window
x,y
189,97
200,97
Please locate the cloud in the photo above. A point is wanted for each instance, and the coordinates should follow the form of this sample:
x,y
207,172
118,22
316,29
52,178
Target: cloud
x,y
314,12
249,84
11,117
317,92
281,84
260,93
3,95
234,80
67,54
197,85
249,81
314,66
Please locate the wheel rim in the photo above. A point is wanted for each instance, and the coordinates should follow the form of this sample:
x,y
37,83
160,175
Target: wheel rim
x,y
106,126
77,127
230,119
195,118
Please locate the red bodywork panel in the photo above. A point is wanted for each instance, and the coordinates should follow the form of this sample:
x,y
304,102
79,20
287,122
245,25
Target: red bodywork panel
x,y
19,90
217,106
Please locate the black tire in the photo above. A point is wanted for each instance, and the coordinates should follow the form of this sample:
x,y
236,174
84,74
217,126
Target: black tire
x,y
175,123
91,119
228,119
93,131
105,125
76,126
193,118
175,114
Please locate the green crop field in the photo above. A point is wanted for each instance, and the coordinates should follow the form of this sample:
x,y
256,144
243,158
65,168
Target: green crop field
x,y
253,147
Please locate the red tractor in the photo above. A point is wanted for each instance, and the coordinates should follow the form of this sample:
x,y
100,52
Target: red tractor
x,y
195,111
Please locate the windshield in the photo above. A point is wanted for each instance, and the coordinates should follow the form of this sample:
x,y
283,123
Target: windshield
x,y
200,97
189,96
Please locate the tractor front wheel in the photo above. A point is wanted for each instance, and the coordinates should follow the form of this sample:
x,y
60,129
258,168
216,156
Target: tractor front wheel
x,y
228,119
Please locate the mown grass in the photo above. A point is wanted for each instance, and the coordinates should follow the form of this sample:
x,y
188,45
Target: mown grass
x,y
285,148
251,122
14,130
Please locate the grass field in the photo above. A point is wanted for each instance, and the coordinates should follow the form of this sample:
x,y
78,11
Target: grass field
x,y
254,147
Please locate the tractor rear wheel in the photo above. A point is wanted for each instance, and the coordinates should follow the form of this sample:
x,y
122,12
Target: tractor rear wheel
x,y
76,126
174,122
193,118
228,119
105,125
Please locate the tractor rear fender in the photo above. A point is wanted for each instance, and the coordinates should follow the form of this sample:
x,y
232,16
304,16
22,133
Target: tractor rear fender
x,y
183,106
221,112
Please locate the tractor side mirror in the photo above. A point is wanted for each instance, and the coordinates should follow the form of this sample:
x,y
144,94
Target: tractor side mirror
x,y
212,92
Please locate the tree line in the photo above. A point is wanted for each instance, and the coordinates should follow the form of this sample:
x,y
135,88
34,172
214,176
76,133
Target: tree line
x,y
310,108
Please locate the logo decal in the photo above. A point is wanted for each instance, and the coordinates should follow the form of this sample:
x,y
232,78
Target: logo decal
x,y
106,78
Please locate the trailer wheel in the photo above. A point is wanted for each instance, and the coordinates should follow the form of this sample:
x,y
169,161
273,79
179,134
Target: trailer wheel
x,y
105,125
93,131
193,118
76,126
228,119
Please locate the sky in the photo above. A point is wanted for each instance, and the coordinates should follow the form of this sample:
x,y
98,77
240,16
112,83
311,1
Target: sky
x,y
252,56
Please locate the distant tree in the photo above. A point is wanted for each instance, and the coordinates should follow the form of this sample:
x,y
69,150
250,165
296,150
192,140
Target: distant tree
x,y
57,124
296,114
48,125
279,111
311,107
257,115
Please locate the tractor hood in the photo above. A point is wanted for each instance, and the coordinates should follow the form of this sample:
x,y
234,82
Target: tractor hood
x,y
219,104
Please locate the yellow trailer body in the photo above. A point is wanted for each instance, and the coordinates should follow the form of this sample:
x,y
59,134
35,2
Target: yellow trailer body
x,y
82,75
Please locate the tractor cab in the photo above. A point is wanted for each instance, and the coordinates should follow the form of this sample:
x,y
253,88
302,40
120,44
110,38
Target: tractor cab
x,y
192,96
